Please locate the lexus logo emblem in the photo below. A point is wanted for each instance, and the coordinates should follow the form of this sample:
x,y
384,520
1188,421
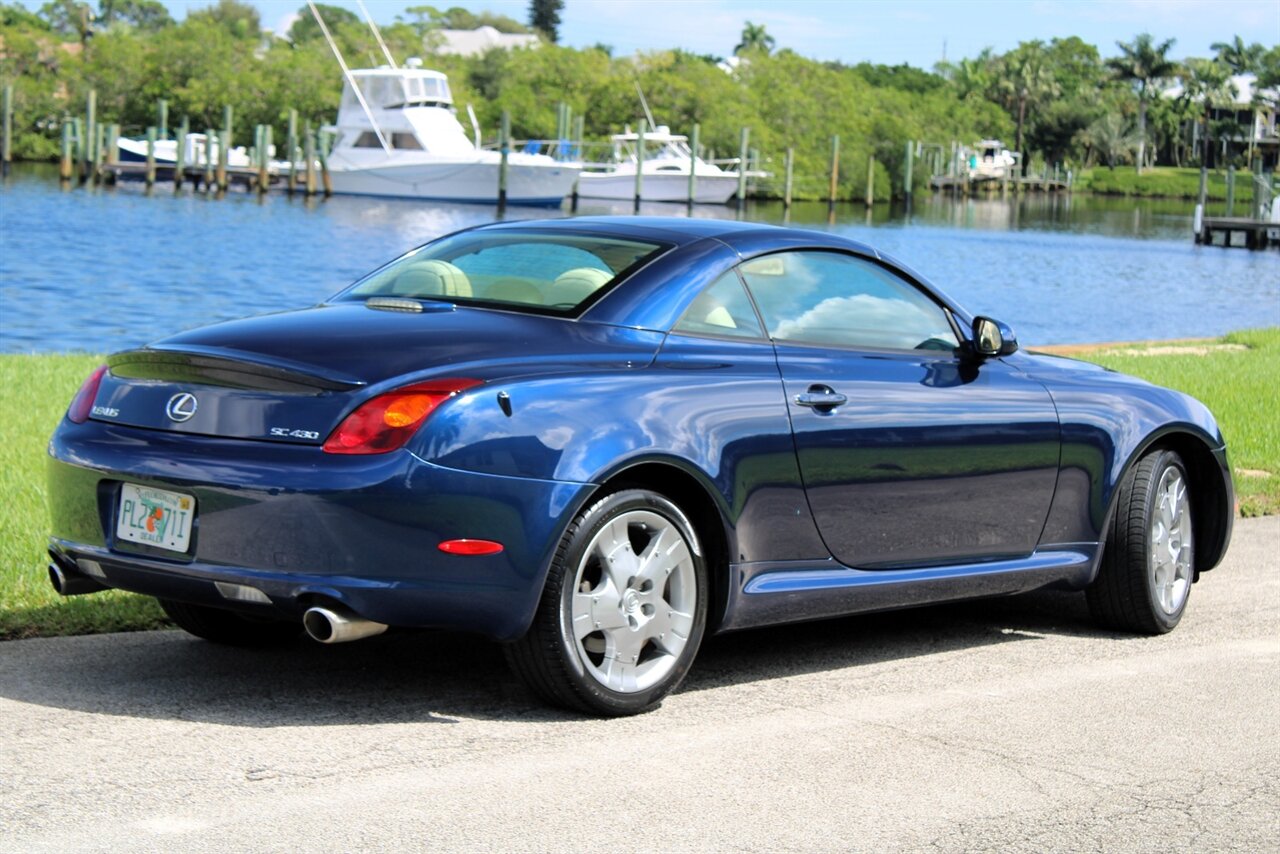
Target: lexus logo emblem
x,y
181,407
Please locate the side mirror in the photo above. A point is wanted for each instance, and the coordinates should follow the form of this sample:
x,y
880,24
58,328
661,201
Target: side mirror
x,y
993,338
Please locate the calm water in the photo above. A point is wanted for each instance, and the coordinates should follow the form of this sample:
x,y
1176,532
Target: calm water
x,y
109,268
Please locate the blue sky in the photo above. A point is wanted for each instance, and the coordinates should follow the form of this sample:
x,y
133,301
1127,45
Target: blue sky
x,y
884,31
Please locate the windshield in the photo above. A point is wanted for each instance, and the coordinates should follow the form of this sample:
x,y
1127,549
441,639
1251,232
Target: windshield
x,y
541,273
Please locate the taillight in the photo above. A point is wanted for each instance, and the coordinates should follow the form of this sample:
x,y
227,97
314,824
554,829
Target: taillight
x,y
386,422
82,404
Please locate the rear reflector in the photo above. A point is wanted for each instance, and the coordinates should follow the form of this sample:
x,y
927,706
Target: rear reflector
x,y
241,592
470,547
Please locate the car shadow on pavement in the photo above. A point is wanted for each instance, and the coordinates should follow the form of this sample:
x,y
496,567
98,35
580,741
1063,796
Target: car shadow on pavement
x,y
422,677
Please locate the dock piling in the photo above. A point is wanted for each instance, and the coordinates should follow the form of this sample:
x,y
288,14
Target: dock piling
x,y
162,116
150,176
86,144
224,147
112,143
504,152
65,169
309,152
788,177
180,158
871,180
322,153
1231,190
743,154
835,171
639,164
693,162
6,145
208,158
906,174
264,159
292,146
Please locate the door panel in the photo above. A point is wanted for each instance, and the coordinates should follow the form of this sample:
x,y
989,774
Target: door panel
x,y
928,461
910,454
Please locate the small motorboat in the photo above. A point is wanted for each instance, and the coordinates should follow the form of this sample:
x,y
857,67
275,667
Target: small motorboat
x,y
667,162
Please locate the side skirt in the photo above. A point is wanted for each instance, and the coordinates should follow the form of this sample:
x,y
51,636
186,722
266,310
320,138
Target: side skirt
x,y
768,593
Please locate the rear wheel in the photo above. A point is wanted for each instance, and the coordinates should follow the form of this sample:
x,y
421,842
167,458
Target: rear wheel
x,y
623,610
1149,562
228,627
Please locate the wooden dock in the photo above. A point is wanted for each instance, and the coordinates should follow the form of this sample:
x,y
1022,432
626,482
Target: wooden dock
x,y
1258,233
1030,183
237,176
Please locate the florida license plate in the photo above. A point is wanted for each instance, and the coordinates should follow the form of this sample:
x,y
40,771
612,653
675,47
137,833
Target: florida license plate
x,y
155,517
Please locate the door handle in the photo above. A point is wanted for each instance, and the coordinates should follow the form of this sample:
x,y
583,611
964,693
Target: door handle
x,y
821,398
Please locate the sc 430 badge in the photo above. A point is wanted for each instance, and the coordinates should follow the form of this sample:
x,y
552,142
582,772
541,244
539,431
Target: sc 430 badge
x,y
286,433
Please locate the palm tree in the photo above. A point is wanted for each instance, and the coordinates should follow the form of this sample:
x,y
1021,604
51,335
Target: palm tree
x,y
754,38
1142,62
1240,58
1208,82
1027,80
1111,137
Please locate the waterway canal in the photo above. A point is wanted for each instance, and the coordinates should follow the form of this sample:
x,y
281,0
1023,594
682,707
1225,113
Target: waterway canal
x,y
100,269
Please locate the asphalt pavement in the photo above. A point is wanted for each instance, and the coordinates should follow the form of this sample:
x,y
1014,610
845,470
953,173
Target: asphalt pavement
x,y
1009,725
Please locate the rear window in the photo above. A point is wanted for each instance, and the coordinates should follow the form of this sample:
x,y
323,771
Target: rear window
x,y
537,272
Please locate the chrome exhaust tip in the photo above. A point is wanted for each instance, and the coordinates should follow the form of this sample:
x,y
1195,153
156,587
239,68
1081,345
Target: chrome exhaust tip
x,y
338,625
71,582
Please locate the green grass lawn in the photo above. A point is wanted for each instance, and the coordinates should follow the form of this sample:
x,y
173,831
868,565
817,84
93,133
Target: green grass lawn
x,y
1165,182
1237,384
34,393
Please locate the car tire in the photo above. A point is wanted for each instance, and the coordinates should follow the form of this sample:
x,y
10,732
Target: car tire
x,y
228,627
1148,562
623,610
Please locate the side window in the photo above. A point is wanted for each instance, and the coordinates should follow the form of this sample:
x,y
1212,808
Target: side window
x,y
722,308
833,299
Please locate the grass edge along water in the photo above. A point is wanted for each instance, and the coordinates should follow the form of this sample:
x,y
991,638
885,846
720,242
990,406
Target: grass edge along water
x,y
1230,374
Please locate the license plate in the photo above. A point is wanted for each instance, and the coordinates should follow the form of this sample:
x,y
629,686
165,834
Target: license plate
x,y
155,517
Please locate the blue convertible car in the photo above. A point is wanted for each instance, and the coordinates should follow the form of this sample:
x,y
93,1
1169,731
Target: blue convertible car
x,y
599,439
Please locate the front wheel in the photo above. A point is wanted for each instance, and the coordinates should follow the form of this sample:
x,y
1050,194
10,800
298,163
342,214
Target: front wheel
x,y
623,610
1148,564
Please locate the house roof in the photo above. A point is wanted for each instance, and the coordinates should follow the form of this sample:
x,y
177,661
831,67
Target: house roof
x,y
1245,86
477,41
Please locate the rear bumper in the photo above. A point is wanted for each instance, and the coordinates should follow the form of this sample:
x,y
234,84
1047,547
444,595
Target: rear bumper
x,y
302,526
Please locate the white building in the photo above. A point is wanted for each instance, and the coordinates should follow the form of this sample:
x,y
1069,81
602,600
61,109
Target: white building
x,y
477,41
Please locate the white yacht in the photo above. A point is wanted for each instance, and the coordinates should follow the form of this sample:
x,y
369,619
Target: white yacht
x,y
404,140
667,160
990,159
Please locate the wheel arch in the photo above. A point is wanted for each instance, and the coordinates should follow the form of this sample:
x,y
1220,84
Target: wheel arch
x,y
1212,492
697,499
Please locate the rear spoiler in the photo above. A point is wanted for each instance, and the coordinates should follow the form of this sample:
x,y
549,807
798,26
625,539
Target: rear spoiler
x,y
228,368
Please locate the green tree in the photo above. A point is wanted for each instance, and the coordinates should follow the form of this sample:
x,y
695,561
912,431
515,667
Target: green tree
x,y
1207,83
72,18
1027,82
1111,138
755,39
544,17
237,18
15,15
1239,57
1143,63
142,14
305,28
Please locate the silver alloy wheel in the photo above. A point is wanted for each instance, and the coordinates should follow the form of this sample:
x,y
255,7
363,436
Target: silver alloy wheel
x,y
1170,562
634,596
